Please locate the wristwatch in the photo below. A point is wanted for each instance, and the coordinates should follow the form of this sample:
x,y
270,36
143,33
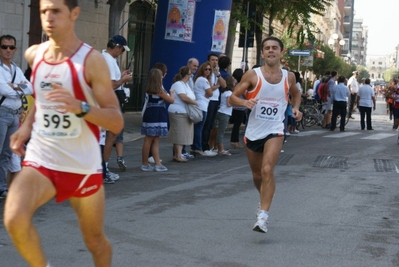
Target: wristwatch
x,y
85,109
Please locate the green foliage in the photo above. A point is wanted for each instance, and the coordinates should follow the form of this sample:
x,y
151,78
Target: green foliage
x,y
295,14
330,62
390,74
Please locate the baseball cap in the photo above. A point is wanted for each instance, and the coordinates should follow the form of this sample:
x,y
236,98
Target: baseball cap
x,y
121,41
355,72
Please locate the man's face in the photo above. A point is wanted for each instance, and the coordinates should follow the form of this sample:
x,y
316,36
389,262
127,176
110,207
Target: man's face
x,y
271,52
56,17
7,49
214,61
193,66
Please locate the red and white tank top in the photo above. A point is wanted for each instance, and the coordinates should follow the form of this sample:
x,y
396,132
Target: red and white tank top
x,y
60,140
268,114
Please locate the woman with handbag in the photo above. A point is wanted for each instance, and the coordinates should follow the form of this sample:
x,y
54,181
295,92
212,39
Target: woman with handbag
x,y
181,130
155,121
203,91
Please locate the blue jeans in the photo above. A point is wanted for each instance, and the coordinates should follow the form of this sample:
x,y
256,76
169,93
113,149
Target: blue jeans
x,y
8,125
197,142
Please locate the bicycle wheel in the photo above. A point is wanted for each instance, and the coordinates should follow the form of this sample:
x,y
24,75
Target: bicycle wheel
x,y
309,120
310,110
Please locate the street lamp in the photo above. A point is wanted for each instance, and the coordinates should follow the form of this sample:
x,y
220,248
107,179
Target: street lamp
x,y
332,42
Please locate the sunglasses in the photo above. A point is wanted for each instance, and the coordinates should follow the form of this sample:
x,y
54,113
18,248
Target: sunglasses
x,y
4,47
207,69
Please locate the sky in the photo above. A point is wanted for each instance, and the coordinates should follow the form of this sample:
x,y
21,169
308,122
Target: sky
x,y
382,19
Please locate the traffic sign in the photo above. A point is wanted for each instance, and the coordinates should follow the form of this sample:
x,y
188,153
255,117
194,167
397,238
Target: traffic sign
x,y
308,61
302,53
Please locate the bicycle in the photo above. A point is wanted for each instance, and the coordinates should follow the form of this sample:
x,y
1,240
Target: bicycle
x,y
311,113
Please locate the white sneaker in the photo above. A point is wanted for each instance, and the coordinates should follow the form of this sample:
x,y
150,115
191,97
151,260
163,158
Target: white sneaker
x,y
261,224
209,153
152,161
112,176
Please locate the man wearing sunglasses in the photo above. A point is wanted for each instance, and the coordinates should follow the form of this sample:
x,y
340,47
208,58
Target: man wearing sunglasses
x,y
13,85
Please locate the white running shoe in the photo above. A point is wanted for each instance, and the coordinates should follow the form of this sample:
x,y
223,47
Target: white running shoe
x,y
112,176
152,161
209,153
261,224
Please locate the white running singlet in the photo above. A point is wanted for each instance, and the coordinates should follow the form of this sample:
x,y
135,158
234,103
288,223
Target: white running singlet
x,y
268,114
60,140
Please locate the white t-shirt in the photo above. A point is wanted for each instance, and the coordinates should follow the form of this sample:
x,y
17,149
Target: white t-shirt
x,y
223,103
354,86
216,92
113,67
365,94
179,106
200,85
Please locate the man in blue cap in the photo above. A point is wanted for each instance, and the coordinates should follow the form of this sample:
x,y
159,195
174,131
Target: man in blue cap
x,y
115,47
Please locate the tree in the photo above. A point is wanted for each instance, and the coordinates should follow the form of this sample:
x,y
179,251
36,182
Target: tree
x,y
295,14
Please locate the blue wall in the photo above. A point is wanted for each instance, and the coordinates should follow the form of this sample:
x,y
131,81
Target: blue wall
x,y
176,53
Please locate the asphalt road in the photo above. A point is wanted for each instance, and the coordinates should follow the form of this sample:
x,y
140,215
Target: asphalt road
x,y
336,204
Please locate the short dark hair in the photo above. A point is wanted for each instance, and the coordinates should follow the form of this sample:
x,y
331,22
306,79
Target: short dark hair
x,y
367,81
8,37
71,4
334,73
237,74
224,62
272,38
212,55
341,79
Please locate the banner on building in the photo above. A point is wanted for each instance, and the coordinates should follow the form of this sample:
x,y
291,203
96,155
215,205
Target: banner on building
x,y
180,20
220,30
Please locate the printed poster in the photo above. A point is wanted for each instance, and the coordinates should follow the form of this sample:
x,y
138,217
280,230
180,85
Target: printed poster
x,y
220,30
180,20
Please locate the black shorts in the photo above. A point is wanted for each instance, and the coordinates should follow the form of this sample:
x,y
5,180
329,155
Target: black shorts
x,y
258,145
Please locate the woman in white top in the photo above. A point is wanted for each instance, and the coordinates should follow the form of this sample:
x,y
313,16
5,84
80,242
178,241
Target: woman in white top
x,y
203,91
181,130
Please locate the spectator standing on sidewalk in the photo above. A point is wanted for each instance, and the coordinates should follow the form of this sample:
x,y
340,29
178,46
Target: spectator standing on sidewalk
x,y
115,47
181,130
155,120
224,63
365,101
13,85
339,95
330,85
237,116
213,106
224,113
353,86
203,91
267,90
192,64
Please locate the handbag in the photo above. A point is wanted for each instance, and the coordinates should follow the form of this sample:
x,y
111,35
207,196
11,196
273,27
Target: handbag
x,y
194,113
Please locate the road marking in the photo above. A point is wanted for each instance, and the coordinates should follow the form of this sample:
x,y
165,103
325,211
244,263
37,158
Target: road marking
x,y
378,136
307,133
341,135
